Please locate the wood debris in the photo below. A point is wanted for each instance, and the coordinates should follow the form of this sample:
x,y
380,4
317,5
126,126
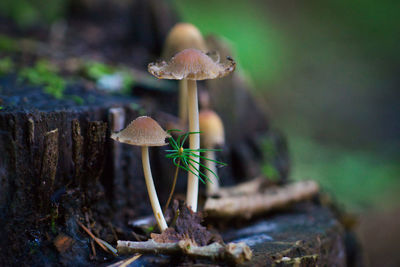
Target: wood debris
x,y
232,252
247,205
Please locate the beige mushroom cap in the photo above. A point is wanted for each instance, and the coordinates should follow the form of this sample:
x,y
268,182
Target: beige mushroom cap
x,y
191,64
183,36
143,131
211,128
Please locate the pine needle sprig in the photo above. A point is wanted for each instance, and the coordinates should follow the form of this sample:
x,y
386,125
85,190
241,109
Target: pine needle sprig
x,y
186,158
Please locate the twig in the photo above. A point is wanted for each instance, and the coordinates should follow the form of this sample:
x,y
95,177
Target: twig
x,y
99,241
113,230
232,252
138,237
173,185
91,241
126,262
256,203
173,222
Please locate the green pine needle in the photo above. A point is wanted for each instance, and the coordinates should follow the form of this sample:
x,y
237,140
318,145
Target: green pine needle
x,y
188,157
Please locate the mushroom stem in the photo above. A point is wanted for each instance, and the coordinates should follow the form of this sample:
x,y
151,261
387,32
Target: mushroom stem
x,y
194,143
155,204
183,107
212,183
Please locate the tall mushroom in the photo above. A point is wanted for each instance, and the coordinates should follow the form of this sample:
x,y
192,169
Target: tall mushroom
x,y
193,65
212,135
145,132
180,37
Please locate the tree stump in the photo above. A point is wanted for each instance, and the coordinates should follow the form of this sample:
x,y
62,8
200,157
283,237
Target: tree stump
x,y
59,164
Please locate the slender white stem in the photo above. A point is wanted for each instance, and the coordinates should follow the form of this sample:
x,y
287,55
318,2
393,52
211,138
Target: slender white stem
x,y
213,183
183,107
194,143
155,204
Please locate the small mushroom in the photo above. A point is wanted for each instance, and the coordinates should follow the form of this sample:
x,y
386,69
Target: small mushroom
x,y
212,135
181,37
145,132
192,64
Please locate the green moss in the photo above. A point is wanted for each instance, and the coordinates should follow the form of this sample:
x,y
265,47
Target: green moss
x,y
270,171
6,65
269,154
138,108
149,229
78,100
128,81
7,44
26,13
44,74
96,70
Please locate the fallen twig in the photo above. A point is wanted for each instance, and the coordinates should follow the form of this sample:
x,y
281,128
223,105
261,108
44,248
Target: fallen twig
x,y
103,244
248,205
126,262
91,241
232,252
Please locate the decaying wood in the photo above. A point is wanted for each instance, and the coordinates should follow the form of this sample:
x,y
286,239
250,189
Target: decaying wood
x,y
31,131
272,198
232,252
77,149
116,120
96,138
49,164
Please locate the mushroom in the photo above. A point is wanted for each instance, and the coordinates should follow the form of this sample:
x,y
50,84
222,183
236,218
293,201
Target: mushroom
x,y
180,37
212,135
192,64
145,132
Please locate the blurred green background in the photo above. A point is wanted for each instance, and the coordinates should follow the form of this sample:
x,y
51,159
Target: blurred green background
x,y
327,73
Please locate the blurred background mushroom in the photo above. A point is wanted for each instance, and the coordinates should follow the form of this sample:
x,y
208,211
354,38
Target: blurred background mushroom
x,y
211,136
181,37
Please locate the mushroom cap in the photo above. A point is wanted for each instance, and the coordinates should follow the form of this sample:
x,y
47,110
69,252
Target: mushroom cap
x,y
183,36
143,131
211,128
191,64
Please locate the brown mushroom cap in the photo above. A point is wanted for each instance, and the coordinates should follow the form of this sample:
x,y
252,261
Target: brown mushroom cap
x,y
191,64
143,131
183,36
211,128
